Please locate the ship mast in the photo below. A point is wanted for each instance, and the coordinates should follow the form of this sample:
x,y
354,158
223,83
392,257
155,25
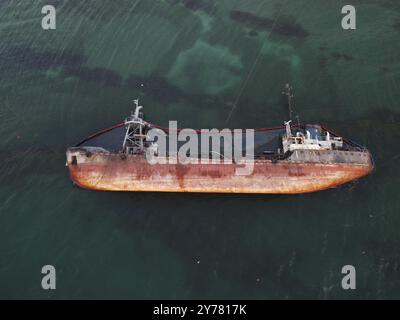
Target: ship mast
x,y
134,136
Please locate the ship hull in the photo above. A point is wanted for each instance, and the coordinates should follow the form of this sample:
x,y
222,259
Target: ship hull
x,y
116,172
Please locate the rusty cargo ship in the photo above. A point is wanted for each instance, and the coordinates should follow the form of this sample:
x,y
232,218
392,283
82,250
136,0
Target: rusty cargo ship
x,y
289,159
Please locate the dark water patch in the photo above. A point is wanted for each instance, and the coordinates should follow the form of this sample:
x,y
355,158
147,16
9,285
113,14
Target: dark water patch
x,y
208,101
383,116
288,26
196,5
376,117
322,61
285,26
161,90
156,86
101,76
38,159
253,33
56,3
388,4
396,26
31,59
337,56
384,69
38,148
4,2
387,260
376,130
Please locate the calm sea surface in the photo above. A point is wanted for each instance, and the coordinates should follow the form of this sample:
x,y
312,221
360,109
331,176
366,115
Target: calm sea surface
x,y
206,64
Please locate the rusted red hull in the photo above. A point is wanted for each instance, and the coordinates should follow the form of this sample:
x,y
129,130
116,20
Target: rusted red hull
x,y
133,173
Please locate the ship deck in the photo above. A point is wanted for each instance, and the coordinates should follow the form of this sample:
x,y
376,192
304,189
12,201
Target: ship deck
x,y
267,141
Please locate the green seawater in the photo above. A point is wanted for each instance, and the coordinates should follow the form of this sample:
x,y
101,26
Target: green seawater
x,y
205,64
